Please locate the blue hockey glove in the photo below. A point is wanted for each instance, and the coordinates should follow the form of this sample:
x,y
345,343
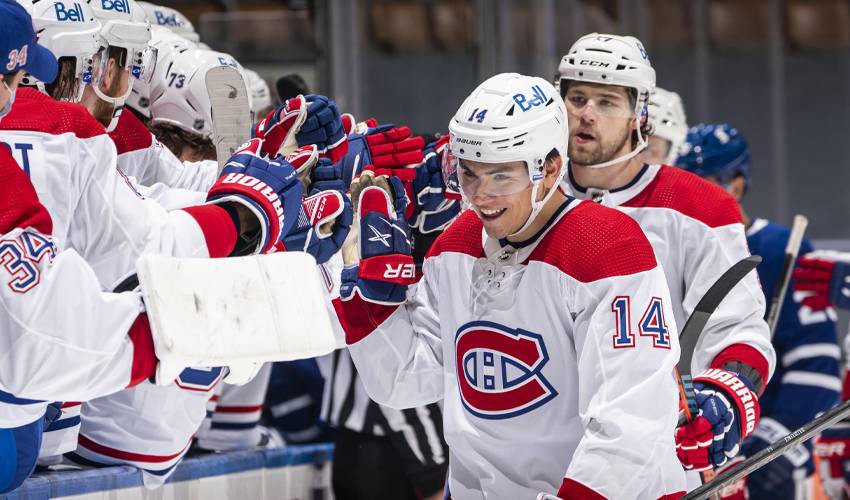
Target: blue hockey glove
x,y
779,478
728,414
434,210
322,226
268,188
384,267
323,128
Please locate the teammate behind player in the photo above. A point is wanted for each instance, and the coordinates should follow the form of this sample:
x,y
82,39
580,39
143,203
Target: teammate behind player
x,y
695,229
669,127
805,340
525,277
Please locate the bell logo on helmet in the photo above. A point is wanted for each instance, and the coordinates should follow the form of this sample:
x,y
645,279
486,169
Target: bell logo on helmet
x,y
499,370
538,99
164,19
116,5
73,14
642,50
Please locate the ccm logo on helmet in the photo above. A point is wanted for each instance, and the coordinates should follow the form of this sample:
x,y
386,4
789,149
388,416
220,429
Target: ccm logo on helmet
x,y
73,14
591,62
538,98
116,5
499,370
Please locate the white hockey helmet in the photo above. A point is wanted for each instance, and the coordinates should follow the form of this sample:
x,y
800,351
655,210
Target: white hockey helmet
x,y
510,117
69,30
612,60
124,25
167,44
261,96
180,96
171,19
667,114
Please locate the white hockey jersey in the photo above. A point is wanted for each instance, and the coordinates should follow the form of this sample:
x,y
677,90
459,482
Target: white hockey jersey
x,y
47,298
554,358
697,233
144,158
71,161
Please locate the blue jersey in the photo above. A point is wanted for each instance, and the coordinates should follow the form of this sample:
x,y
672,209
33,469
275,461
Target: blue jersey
x,y
807,378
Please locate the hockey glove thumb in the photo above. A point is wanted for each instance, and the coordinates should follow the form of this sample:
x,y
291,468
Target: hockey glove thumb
x,y
277,130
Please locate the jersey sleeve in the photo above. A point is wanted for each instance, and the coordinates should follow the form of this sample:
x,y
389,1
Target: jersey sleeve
x,y
736,331
626,343
397,348
809,359
113,224
63,339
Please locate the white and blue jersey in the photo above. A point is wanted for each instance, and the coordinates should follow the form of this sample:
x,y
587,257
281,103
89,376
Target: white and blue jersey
x,y
806,381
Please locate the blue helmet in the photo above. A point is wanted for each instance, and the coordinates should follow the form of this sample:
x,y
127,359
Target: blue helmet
x,y
716,150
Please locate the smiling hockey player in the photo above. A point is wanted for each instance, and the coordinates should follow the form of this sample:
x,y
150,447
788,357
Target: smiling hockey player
x,y
695,229
526,320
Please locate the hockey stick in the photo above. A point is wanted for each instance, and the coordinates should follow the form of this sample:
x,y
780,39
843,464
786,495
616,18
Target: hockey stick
x,y
689,336
774,450
792,250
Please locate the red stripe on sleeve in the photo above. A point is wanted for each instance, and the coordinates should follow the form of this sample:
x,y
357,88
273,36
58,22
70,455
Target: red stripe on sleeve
x,y
573,489
144,358
360,317
217,226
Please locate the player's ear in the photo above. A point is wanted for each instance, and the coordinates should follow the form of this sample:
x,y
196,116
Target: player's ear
x,y
738,187
552,170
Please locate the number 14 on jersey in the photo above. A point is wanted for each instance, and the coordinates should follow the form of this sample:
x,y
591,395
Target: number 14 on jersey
x,y
651,324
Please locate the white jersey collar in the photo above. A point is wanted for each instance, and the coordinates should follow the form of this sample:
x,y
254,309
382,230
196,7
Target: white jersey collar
x,y
613,197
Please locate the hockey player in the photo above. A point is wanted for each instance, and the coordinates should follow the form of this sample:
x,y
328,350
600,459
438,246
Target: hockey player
x,y
522,321
669,127
805,340
695,229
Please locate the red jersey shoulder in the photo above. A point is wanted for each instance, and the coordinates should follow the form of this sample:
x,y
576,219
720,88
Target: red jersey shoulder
x,y
130,134
690,195
592,242
38,112
19,205
464,235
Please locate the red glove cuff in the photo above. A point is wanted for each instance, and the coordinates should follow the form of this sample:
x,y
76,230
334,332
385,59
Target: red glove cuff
x,y
392,268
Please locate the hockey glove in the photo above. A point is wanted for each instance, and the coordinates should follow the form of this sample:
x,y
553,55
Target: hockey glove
x,y
833,449
278,129
269,189
322,227
328,175
728,414
825,275
384,267
323,128
384,146
779,478
736,490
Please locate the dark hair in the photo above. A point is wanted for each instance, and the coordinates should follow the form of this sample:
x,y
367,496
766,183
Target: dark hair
x,y
65,86
175,138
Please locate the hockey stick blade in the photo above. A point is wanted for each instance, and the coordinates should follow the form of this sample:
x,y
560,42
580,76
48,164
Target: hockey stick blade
x,y
773,451
792,250
689,335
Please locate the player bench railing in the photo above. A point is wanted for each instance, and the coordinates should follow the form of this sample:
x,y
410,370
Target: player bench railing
x,y
296,472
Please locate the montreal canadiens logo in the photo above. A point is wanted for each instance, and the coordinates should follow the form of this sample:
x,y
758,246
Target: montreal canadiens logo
x,y
499,370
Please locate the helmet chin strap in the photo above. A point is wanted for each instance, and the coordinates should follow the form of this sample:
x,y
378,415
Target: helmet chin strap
x,y
641,145
117,105
537,206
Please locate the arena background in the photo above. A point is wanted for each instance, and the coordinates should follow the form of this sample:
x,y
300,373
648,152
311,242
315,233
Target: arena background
x,y
778,70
